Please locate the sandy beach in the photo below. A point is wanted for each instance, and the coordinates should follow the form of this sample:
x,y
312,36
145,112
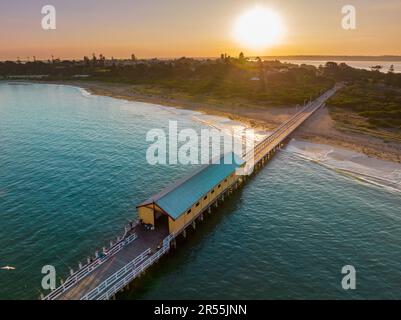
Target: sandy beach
x,y
319,129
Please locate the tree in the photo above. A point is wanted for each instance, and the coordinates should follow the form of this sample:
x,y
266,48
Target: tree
x,y
332,65
391,69
262,73
102,59
241,56
87,61
376,68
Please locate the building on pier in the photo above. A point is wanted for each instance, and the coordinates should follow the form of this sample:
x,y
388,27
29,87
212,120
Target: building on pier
x,y
182,202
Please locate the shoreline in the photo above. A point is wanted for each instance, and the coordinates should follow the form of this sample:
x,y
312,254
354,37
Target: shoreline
x,y
319,129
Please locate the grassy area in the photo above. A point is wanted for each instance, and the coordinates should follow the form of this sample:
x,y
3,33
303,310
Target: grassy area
x,y
373,109
244,93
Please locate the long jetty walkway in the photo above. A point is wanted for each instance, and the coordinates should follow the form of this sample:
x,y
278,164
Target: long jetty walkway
x,y
127,258
275,140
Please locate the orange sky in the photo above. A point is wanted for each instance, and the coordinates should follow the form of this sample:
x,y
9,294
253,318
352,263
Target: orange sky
x,y
171,28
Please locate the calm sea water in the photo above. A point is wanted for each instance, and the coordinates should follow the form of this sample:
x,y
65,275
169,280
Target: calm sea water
x,y
73,167
355,64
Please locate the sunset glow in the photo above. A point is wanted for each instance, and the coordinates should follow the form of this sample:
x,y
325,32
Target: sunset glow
x,y
259,28
187,28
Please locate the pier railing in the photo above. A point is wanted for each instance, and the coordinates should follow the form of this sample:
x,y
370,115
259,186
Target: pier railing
x,y
125,275
115,276
141,268
82,273
286,129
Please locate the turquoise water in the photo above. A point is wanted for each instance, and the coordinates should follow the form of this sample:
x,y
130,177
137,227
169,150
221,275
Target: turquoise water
x,y
73,167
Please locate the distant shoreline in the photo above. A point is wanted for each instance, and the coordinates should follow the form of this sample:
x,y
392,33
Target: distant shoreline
x,y
385,58
319,129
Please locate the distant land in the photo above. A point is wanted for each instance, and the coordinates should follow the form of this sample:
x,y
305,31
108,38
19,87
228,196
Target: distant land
x,y
388,58
336,58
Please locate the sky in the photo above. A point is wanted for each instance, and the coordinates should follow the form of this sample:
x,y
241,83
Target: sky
x,y
175,28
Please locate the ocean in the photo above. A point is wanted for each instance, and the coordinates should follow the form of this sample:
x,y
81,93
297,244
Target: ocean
x,y
73,167
366,65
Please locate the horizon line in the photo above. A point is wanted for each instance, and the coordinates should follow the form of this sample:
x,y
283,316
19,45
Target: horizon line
x,y
293,56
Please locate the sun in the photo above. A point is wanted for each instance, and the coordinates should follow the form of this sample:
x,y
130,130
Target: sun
x,y
259,28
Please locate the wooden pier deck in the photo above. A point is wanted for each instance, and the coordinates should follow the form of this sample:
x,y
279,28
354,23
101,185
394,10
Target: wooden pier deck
x,y
140,248
263,149
147,239
145,244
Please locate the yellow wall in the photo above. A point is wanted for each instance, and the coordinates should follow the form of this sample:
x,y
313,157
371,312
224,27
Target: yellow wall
x,y
147,215
183,220
177,225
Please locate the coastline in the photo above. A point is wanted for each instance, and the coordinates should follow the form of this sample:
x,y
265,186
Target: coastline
x,y
319,129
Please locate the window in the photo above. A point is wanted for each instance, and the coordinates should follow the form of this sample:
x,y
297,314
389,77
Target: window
x,y
212,191
197,204
225,180
219,186
205,197
189,211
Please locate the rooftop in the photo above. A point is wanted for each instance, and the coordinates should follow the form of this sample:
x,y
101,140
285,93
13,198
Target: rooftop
x,y
183,194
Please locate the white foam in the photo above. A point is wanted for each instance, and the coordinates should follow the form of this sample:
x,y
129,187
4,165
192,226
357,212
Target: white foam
x,y
230,127
85,92
376,172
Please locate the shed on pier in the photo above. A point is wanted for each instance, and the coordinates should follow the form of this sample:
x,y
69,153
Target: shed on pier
x,y
185,200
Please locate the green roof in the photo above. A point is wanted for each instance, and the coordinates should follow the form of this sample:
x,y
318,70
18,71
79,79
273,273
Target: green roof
x,y
182,195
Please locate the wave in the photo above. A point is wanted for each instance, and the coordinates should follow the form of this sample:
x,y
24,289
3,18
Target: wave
x,y
85,92
380,173
230,128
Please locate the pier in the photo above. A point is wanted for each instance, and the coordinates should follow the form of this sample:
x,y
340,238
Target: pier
x,y
168,214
